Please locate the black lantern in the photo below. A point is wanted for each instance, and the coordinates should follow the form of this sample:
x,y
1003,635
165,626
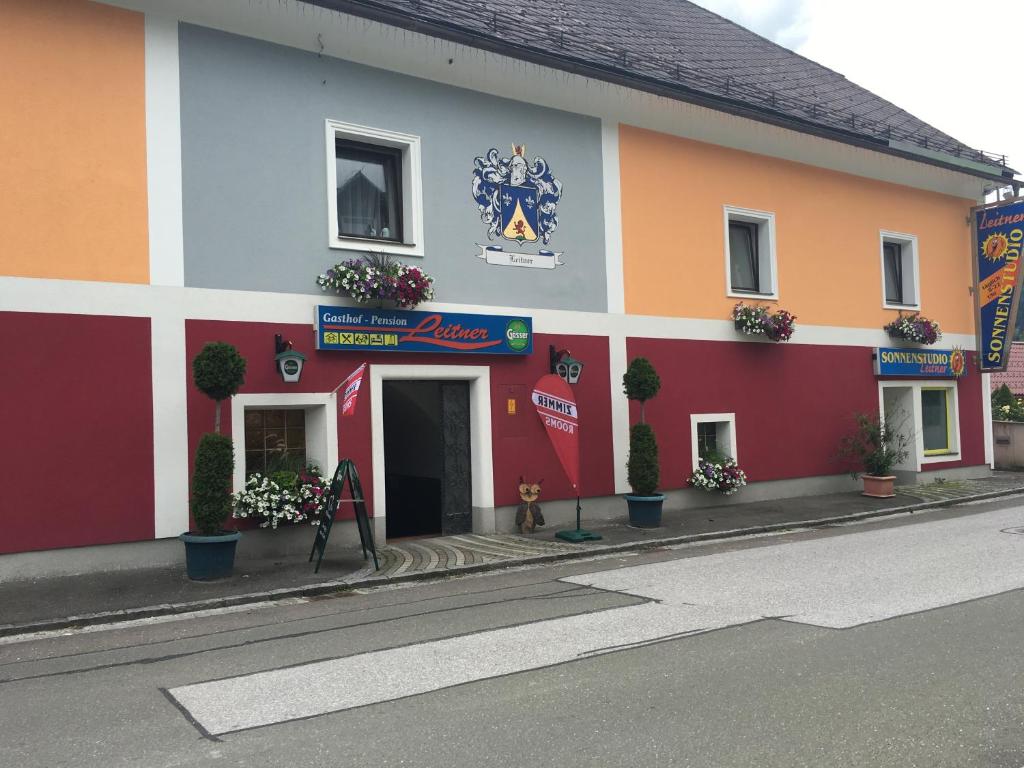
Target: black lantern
x,y
565,365
287,361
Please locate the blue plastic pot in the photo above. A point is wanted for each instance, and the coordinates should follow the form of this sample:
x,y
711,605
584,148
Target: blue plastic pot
x,y
210,557
645,511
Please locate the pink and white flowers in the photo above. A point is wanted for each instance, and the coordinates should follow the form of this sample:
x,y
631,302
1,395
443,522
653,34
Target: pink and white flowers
x,y
378,277
721,474
286,497
914,327
757,320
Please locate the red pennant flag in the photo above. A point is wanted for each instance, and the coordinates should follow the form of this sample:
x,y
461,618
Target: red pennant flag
x,y
351,390
556,406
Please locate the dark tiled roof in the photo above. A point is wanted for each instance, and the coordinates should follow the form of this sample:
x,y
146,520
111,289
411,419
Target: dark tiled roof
x,y
679,49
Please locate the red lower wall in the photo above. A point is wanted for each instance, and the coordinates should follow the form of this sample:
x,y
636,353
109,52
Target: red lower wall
x,y
520,445
793,404
78,420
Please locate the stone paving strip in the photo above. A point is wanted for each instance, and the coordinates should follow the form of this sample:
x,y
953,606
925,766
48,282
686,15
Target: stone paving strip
x,y
444,552
959,489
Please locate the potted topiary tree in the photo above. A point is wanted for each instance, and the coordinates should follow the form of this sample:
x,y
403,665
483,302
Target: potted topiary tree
x,y
218,372
875,448
641,383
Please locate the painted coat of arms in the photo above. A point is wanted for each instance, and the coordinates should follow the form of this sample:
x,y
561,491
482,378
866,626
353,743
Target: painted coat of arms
x,y
518,202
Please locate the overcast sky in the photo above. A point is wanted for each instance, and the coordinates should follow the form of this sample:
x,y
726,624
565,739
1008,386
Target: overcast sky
x,y
937,59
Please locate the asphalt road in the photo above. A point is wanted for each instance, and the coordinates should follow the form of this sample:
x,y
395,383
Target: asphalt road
x,y
894,643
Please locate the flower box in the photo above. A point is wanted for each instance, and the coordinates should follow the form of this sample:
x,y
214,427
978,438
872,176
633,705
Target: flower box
x,y
756,320
718,473
914,328
378,277
282,497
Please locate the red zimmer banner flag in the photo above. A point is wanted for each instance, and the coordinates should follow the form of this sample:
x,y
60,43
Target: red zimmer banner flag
x,y
351,390
556,406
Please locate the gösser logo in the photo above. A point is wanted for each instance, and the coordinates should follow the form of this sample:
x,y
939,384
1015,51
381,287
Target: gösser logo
x,y
517,335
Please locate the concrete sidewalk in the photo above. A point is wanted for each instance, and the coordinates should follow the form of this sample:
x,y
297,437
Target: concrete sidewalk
x,y
68,601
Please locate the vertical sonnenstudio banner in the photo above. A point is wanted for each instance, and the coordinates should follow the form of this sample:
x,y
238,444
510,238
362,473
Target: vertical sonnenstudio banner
x,y
998,234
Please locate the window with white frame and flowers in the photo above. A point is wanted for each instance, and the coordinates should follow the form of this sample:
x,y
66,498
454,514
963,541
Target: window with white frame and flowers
x,y
750,253
899,271
374,193
713,436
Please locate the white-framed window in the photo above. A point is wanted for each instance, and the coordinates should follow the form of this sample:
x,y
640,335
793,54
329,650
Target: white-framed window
x,y
274,431
750,261
275,440
938,419
712,434
900,273
927,413
374,190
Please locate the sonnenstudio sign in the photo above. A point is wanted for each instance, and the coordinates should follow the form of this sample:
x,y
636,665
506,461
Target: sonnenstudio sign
x,y
382,330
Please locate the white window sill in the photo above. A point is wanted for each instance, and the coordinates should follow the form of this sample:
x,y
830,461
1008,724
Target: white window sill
x,y
905,307
378,246
752,295
934,458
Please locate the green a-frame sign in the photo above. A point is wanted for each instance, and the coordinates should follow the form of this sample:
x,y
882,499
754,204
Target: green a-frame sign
x,y
345,473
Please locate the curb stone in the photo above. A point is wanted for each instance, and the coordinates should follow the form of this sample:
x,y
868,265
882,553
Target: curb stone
x,y
340,585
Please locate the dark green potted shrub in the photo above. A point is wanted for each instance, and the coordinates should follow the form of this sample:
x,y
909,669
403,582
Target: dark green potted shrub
x,y
875,448
641,383
218,372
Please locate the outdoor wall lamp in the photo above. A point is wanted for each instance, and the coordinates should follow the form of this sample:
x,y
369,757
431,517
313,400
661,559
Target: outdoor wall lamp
x,y
287,361
566,366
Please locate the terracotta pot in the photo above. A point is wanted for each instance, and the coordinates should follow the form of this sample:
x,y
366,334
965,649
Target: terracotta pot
x,y
879,487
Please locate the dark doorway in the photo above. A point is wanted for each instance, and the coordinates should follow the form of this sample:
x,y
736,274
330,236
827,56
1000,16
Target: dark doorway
x,y
428,487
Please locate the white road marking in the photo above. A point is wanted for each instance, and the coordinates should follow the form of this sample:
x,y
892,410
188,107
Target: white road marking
x,y
842,581
222,706
835,582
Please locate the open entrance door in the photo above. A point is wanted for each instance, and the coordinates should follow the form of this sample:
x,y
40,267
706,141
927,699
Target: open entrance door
x,y
428,485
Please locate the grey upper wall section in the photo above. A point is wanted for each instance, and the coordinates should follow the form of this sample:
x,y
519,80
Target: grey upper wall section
x,y
255,179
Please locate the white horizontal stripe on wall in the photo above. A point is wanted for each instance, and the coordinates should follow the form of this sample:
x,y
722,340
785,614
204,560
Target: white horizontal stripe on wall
x,y
21,294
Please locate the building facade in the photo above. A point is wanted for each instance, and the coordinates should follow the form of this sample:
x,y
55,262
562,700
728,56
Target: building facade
x,y
181,172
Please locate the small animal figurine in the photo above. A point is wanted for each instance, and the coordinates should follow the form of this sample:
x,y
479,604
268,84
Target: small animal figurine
x,y
528,516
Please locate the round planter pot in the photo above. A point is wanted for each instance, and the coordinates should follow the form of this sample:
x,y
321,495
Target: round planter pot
x,y
210,557
645,511
879,487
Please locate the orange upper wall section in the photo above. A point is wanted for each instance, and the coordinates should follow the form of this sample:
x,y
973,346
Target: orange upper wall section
x,y
72,141
827,235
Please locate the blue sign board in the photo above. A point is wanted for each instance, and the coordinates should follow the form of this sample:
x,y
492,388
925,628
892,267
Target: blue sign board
x,y
389,330
998,234
920,363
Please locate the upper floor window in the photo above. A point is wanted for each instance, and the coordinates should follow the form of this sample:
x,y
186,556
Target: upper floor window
x,y
750,253
374,190
899,271
743,258
369,190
